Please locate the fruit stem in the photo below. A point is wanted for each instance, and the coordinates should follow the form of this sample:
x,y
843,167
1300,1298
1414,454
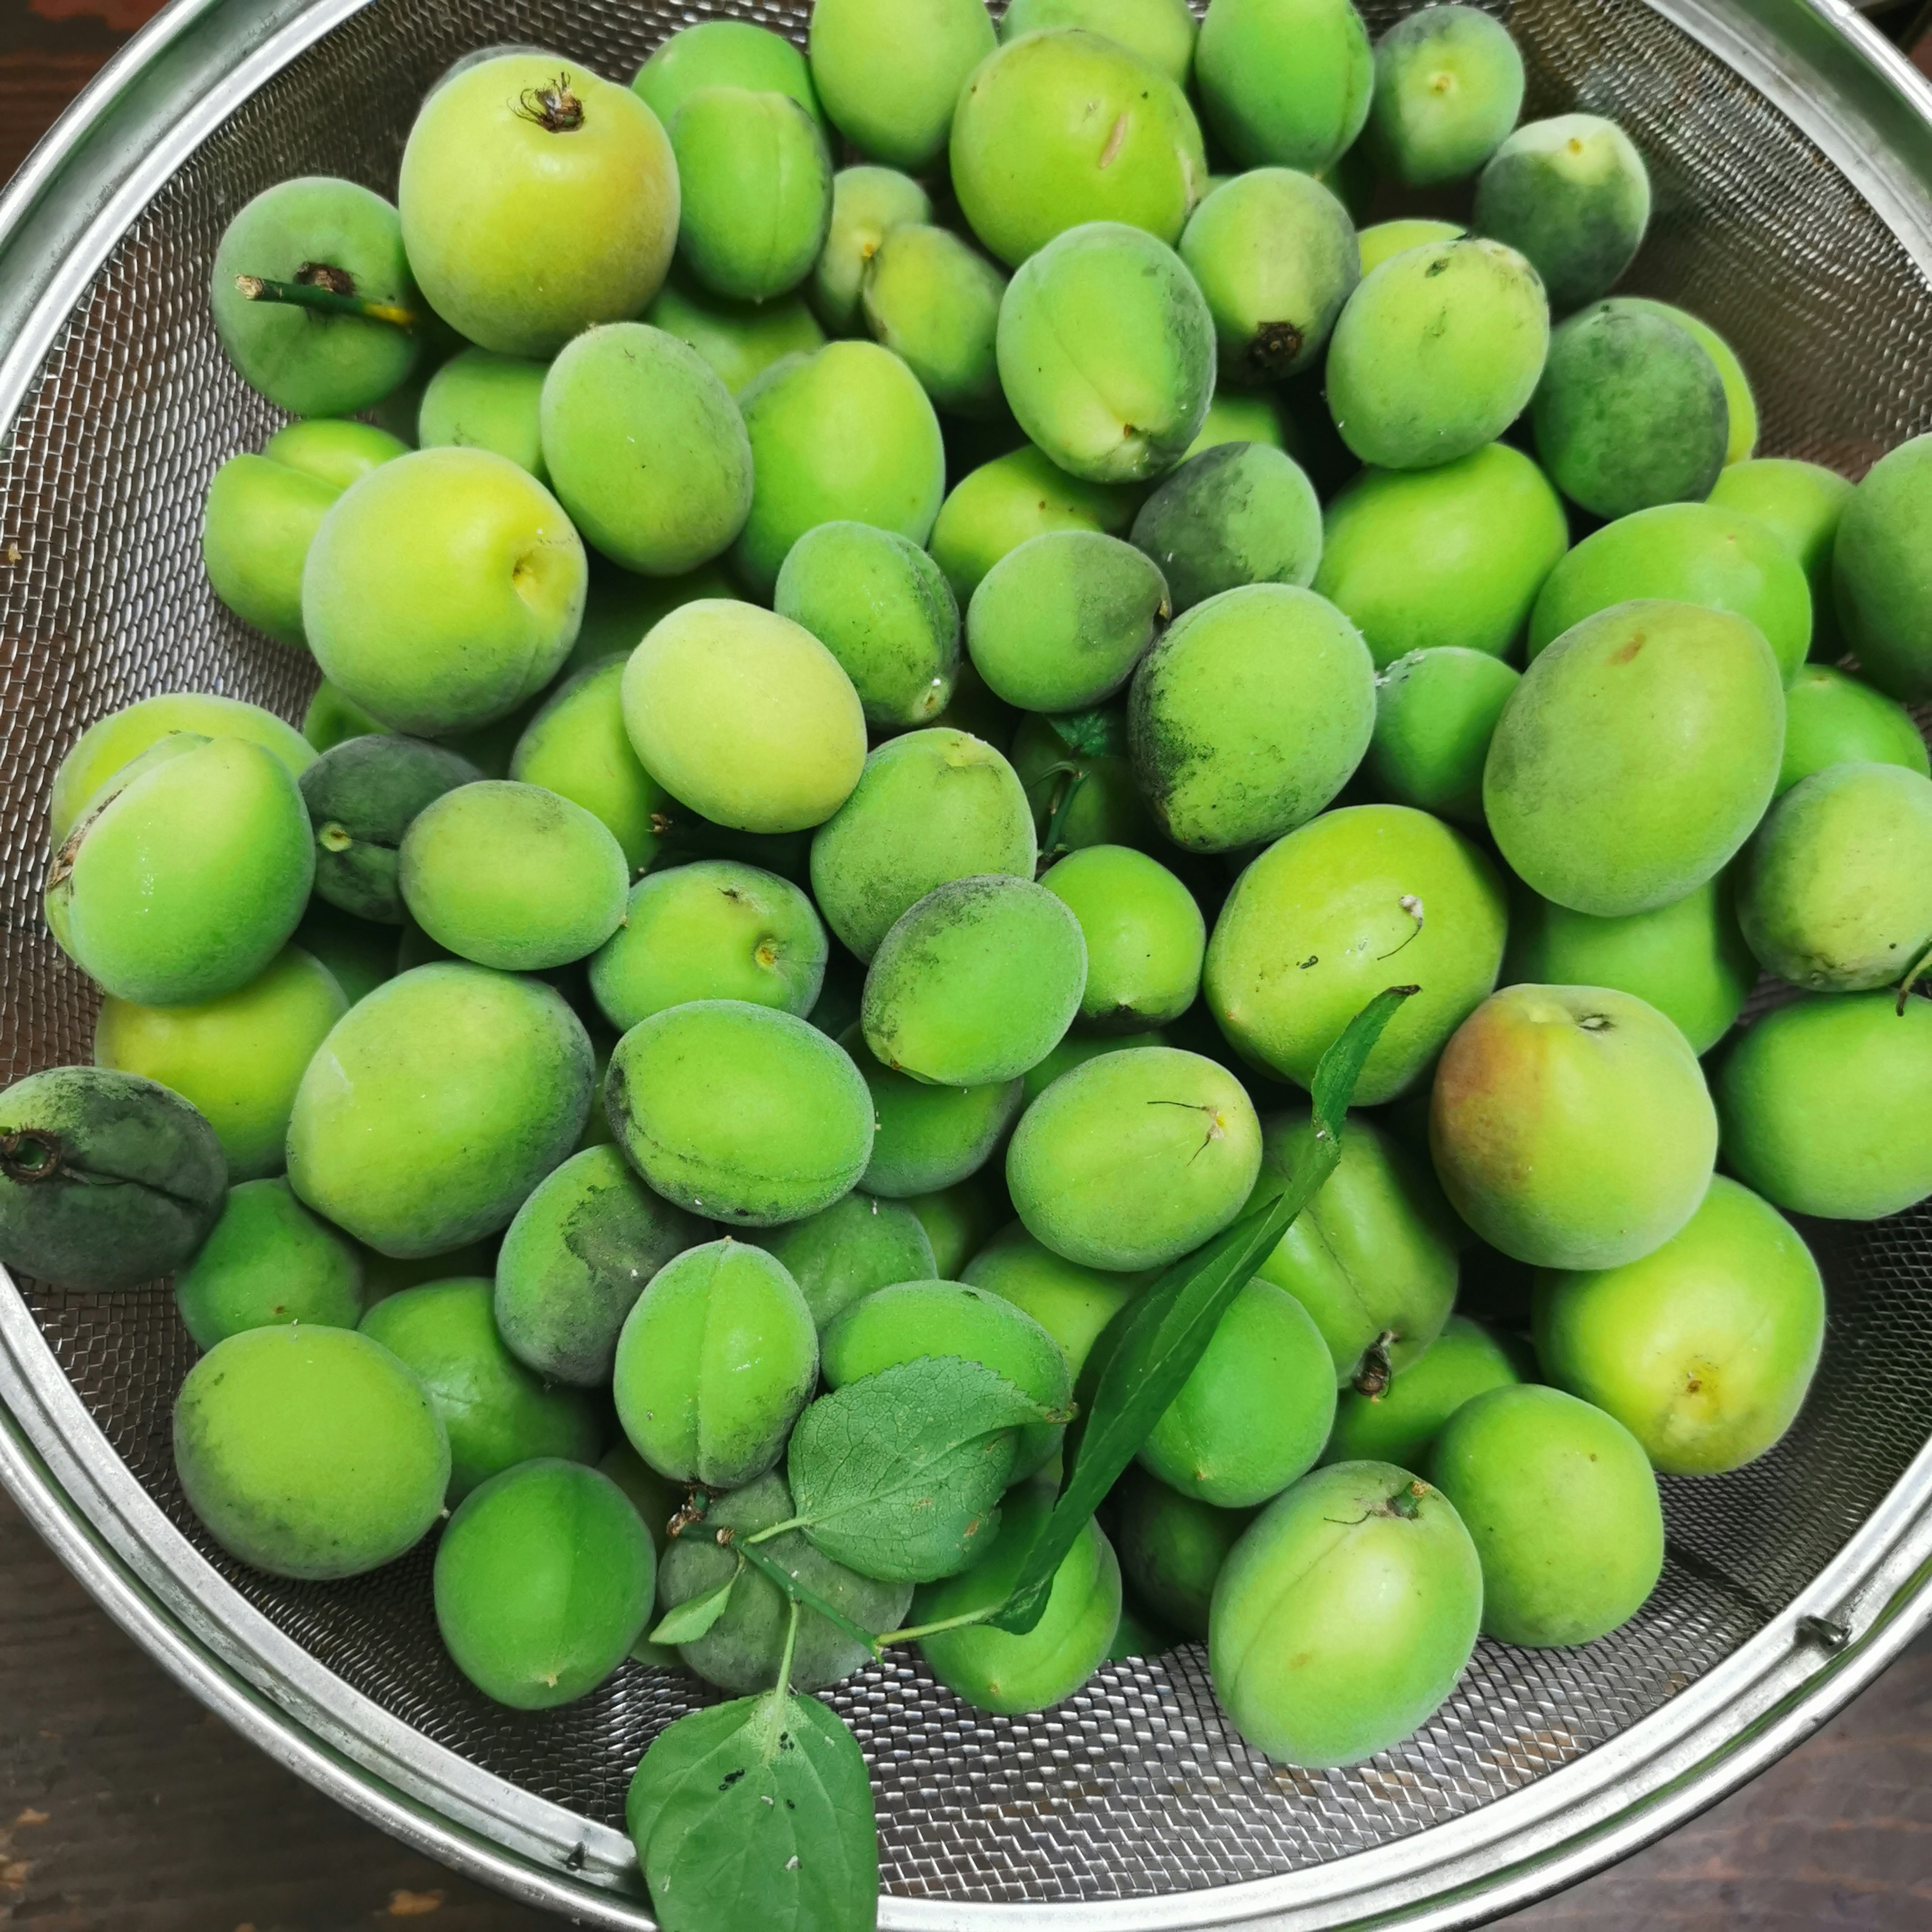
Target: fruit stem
x,y
554,108
1063,805
30,1157
326,300
1915,972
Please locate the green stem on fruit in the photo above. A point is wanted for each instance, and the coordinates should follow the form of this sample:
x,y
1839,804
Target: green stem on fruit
x,y
30,1157
914,1632
771,1530
326,301
1918,970
1050,845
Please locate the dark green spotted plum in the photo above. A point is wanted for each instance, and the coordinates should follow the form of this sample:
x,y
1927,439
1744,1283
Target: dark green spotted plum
x,y
1688,959
1562,1506
1449,85
935,301
1345,1616
1573,195
1275,254
436,1105
1284,83
269,1262
498,1412
1372,1259
882,607
739,340
995,1670
1237,513
713,930
1741,403
975,982
715,1360
577,747
106,1179
310,1451
1692,554
1451,555
512,876
1571,1126
362,796
184,877
1250,715
741,1652
1171,1547
932,807
1401,1423
1145,933
1879,576
1063,127
1630,411
868,203
1705,1349
889,71
479,400
1436,353
544,1580
844,1251
1134,1158
1255,1411
1435,713
1072,1302
996,508
1831,718
1636,756
723,53
1106,351
1317,925
1079,781
330,234
1834,890
580,1251
1801,503
845,434
740,1113
926,1137
237,1058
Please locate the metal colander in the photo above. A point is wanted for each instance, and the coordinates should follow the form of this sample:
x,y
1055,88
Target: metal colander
x,y
1791,155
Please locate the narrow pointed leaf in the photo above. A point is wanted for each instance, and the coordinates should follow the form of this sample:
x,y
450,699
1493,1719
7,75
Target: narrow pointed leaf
x,y
688,1621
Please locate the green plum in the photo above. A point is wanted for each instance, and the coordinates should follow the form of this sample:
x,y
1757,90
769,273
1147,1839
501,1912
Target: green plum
x,y
237,1058
959,1220
1688,958
498,1412
1362,898
521,163
544,1581
1275,254
1001,504
620,607
1879,575
328,234
1436,353
1636,756
723,53
1235,416
333,718
1072,1302
868,203
309,1452
1834,890
846,1251
362,796
1800,504
1076,1049
1062,127
656,1502
1571,1126
1344,1614
1284,83
1237,513
1080,782
745,716
715,1360
1134,1159
927,1137
975,982
64,1132
1250,715
436,1105
1106,351
739,340
268,1260
1160,31
1560,1503
186,874
360,955
1400,1424
479,400
740,1112
1144,935
443,590
1573,195
1630,411
882,607
1254,1411
1453,555
1171,1547
577,747
385,1275
582,1247
889,71
1449,85
1741,405
995,1670
1435,713
1384,239
935,302
844,434
1833,718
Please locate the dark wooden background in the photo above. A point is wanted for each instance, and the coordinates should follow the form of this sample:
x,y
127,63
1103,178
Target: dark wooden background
x,y
125,1807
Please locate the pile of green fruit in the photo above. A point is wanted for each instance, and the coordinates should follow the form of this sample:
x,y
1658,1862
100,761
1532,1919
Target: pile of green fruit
x,y
783,1042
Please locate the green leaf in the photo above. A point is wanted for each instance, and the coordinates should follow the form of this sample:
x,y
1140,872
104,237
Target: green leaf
x,y
756,1816
1089,733
689,1621
802,1594
1145,1354
898,1475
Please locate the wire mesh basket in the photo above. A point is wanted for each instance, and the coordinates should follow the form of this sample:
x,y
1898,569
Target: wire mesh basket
x,y
1792,155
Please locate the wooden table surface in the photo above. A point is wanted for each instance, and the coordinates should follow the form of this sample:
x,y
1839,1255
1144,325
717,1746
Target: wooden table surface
x,y
126,1807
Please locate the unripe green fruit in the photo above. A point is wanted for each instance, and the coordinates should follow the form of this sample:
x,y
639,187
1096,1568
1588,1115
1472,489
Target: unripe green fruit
x,y
868,203
482,400
996,508
1400,1425
1449,84
844,1251
1144,935
1435,713
1072,1302
1831,719
1879,575
1171,1548
889,73
1284,83
1238,513
577,747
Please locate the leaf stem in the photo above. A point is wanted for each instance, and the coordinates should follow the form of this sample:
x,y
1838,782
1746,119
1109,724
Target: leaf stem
x,y
781,1578
914,1632
771,1530
326,301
